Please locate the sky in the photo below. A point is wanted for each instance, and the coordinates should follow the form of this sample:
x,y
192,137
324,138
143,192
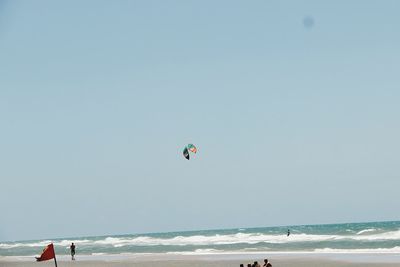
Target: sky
x,y
293,106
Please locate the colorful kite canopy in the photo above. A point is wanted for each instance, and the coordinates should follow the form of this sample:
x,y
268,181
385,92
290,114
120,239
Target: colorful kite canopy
x,y
186,153
191,148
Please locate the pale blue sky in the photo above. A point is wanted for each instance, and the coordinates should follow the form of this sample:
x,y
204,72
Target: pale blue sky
x,y
294,125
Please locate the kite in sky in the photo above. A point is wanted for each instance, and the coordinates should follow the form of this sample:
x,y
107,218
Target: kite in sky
x,y
191,148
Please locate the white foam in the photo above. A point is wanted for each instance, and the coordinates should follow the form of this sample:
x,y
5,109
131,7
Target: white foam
x,y
360,250
202,240
394,250
245,238
29,245
199,252
62,243
366,231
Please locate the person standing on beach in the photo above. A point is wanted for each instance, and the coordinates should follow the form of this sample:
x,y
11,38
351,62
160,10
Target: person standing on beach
x,y
72,248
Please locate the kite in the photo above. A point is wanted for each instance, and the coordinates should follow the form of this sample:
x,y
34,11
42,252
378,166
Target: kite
x,y
186,153
191,148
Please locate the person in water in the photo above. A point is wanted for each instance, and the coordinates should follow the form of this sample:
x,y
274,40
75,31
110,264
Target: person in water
x,y
72,248
288,232
267,263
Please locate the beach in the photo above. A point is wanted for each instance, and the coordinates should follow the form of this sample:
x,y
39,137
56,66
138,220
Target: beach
x,y
356,244
282,260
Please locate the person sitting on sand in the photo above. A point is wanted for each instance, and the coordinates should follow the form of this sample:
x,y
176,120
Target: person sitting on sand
x,y
241,265
255,264
267,263
249,265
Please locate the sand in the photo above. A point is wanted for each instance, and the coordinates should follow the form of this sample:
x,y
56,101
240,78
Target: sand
x,y
306,260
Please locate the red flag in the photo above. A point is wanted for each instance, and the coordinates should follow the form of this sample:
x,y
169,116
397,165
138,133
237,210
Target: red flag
x,y
47,254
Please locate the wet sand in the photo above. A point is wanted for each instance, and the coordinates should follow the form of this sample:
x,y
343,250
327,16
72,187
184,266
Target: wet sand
x,y
281,260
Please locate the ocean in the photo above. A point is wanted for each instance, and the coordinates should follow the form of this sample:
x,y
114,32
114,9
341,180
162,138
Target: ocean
x,y
372,237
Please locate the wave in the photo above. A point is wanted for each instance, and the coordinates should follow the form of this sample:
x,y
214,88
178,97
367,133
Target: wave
x,y
204,240
17,245
317,251
62,243
359,250
198,252
367,231
241,238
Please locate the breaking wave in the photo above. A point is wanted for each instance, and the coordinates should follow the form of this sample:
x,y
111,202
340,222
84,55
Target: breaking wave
x,y
381,237
359,250
204,240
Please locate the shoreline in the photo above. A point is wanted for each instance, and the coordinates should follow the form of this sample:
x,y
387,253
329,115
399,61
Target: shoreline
x,y
290,257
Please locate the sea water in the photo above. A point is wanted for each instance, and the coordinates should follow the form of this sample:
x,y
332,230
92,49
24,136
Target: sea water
x,y
373,237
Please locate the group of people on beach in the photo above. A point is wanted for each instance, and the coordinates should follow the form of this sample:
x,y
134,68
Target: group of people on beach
x,y
256,264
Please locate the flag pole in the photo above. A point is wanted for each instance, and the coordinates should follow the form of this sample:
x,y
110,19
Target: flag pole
x,y
55,259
